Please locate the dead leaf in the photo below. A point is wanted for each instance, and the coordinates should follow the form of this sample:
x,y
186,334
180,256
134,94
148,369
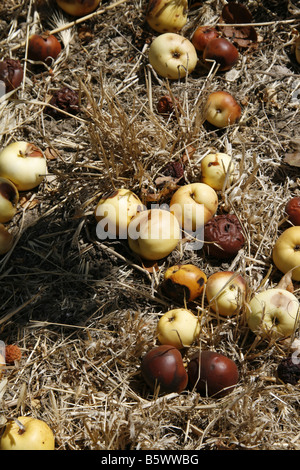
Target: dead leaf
x,y
286,282
234,13
292,159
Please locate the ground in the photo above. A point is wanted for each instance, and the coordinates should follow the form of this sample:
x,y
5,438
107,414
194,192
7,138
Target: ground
x,y
84,311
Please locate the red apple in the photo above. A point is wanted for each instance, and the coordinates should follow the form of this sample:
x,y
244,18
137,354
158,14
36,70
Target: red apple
x,y
221,51
202,35
293,210
163,367
222,109
43,47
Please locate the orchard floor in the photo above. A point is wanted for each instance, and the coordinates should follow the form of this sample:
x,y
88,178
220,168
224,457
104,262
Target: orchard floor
x,y
84,311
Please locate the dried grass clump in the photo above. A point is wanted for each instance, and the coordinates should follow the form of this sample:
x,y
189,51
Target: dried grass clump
x,y
84,311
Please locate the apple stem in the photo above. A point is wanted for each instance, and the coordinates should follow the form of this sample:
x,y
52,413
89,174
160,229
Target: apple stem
x,y
21,426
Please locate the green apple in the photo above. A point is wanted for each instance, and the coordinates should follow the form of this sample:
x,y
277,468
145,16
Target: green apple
x,y
225,292
178,327
273,313
30,434
153,234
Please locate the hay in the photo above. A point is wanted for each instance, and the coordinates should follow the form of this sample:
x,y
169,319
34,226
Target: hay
x,y
84,311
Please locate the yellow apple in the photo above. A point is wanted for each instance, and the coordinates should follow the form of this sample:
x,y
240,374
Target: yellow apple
x,y
24,164
214,169
9,198
178,327
225,292
114,211
167,15
6,240
153,234
194,205
78,7
222,109
286,252
32,434
273,313
172,56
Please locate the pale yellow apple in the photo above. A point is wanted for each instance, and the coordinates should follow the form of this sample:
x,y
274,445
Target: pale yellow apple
x,y
222,109
273,313
167,15
24,164
9,198
225,292
178,327
153,234
215,168
114,211
194,205
36,435
172,55
286,252
6,240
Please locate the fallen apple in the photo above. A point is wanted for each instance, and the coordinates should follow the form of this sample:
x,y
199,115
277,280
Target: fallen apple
x,y
212,374
226,292
172,56
273,313
183,282
43,47
163,370
178,327
9,198
194,205
27,433
6,240
24,164
286,252
215,168
222,109
114,211
223,52
167,15
78,7
292,209
202,36
153,234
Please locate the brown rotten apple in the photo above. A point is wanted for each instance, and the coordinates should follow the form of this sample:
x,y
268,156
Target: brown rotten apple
x,y
43,47
183,282
222,109
223,52
223,236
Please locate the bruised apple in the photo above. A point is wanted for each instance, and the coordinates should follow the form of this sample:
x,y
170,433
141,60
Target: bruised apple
x,y
153,234
183,282
167,15
214,170
273,313
172,56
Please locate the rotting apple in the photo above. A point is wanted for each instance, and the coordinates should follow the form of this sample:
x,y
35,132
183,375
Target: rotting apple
x,y
286,252
9,198
226,292
223,52
11,73
167,15
222,109
292,209
202,35
24,164
183,282
43,47
114,211
212,374
194,205
27,433
163,370
172,56
223,235
6,240
153,234
78,7
273,313
178,327
216,168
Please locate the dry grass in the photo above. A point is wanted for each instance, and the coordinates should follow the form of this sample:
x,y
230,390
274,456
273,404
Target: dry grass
x,y
84,312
